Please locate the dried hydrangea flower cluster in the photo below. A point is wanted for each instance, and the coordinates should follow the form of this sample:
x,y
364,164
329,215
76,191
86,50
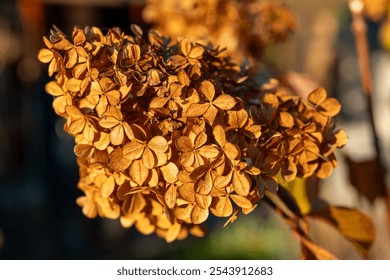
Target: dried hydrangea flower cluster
x,y
162,140
245,28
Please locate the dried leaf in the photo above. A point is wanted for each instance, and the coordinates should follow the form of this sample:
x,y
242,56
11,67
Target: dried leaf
x,y
351,223
312,251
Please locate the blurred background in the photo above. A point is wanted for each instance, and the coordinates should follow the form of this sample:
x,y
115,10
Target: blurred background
x,y
39,218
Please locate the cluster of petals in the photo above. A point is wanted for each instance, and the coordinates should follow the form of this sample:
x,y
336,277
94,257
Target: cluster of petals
x,y
245,28
163,139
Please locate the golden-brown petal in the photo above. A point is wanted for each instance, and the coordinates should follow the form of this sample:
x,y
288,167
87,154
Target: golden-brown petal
x,y
209,151
196,109
170,196
170,172
223,207
117,135
286,120
133,150
331,107
45,55
54,89
225,102
241,183
158,144
199,215
241,201
317,96
138,172
108,187
184,144
207,89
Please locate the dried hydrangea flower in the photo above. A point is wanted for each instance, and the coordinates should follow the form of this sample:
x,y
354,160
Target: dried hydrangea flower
x,y
245,28
163,139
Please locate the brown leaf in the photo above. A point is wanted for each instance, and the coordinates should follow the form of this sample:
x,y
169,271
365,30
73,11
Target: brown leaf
x,y
312,251
196,52
109,122
210,114
103,141
177,60
238,119
88,206
117,135
351,223
365,176
183,77
158,102
219,135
